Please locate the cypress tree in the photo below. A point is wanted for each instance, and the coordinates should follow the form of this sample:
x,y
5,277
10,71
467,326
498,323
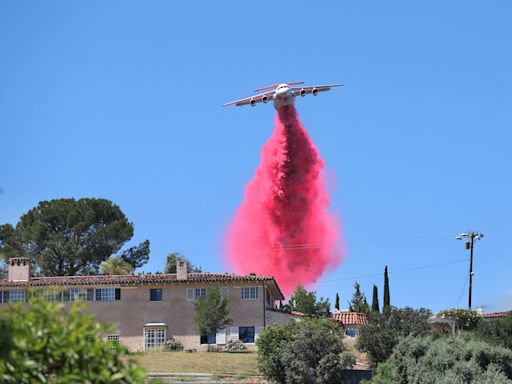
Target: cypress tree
x,y
337,303
387,303
375,300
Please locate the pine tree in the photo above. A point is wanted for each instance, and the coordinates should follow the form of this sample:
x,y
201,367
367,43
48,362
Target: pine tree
x,y
375,300
358,300
387,303
337,303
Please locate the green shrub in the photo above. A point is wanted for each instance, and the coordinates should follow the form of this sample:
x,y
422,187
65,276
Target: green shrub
x,y
310,351
172,345
385,331
466,319
446,360
496,331
51,344
235,346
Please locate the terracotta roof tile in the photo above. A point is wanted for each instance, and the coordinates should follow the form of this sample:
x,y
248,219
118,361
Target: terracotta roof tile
x,y
350,318
496,315
134,279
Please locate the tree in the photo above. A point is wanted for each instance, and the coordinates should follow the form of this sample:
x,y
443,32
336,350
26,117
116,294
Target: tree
x,y
50,344
432,359
306,302
172,262
337,303
116,266
375,301
310,351
387,301
357,304
67,237
212,312
384,332
496,331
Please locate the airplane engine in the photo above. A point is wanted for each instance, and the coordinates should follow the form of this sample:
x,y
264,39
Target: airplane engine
x,y
264,99
314,91
303,92
253,102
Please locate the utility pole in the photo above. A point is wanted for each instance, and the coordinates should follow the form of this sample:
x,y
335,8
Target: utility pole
x,y
470,237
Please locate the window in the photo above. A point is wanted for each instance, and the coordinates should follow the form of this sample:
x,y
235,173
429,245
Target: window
x,y
155,294
249,293
113,340
200,292
17,296
224,291
351,332
50,295
4,297
154,337
108,294
210,339
195,293
246,334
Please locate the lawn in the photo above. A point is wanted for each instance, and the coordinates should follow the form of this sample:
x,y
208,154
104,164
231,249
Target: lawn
x,y
199,362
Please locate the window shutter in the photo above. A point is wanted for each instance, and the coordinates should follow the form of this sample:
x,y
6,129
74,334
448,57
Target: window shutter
x,y
190,293
98,294
221,336
118,293
233,333
259,329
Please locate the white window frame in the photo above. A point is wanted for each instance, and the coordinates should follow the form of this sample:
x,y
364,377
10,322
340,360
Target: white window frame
x,y
224,291
192,293
154,337
106,294
17,296
113,338
250,293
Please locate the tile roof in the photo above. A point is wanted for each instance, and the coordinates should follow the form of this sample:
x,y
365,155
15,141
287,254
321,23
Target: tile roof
x,y
350,318
496,315
136,280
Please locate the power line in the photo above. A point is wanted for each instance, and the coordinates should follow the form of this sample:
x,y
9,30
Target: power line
x,y
309,246
498,255
395,272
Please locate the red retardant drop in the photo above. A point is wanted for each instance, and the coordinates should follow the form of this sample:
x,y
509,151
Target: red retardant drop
x,y
282,228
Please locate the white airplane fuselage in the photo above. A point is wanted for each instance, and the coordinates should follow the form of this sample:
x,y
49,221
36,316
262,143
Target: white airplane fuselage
x,y
283,96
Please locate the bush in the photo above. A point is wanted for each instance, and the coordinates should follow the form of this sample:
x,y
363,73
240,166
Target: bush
x,y
467,320
385,331
496,331
235,346
172,345
307,352
48,343
453,360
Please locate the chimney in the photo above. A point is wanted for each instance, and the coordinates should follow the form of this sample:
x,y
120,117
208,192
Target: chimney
x,y
182,270
480,311
19,269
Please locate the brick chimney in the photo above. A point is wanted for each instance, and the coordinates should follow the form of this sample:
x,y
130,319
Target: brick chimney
x,y
181,270
19,269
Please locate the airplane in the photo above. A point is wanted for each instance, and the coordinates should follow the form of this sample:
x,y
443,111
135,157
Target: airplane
x,y
282,94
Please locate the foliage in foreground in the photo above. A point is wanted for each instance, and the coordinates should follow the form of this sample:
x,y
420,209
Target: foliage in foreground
x,y
441,360
379,338
43,342
307,352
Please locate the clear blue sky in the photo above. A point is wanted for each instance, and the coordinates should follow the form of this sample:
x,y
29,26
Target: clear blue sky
x,y
122,100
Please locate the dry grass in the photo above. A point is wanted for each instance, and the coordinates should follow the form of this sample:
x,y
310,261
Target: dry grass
x,y
199,362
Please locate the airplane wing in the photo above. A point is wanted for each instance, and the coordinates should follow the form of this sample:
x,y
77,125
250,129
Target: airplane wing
x,y
252,100
313,89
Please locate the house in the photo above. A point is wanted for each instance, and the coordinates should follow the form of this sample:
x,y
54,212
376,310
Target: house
x,y
495,315
148,309
351,322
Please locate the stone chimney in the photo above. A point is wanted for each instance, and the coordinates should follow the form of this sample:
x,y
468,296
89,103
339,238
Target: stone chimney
x,y
19,269
181,270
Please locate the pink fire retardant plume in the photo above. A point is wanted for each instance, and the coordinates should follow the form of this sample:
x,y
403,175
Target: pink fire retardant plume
x,y
282,228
